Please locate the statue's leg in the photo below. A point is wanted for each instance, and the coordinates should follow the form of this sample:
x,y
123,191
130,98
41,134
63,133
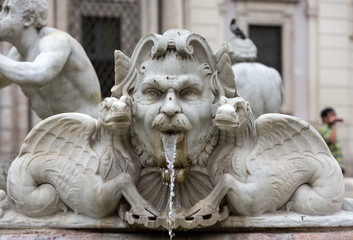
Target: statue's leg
x,y
210,204
323,193
28,196
139,206
251,198
313,200
243,198
99,198
34,200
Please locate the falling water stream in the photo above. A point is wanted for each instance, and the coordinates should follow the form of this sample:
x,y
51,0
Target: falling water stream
x,y
169,143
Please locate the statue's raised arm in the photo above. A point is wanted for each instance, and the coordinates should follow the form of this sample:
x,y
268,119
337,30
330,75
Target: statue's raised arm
x,y
50,66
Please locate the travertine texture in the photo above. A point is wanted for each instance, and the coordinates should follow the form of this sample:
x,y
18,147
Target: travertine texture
x,y
225,162
50,66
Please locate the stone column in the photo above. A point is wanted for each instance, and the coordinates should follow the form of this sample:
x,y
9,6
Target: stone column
x,y
312,13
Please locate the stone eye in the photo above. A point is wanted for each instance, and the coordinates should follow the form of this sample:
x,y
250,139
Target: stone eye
x,y
189,93
153,94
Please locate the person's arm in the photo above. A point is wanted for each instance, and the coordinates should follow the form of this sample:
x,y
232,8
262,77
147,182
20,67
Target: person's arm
x,y
333,135
54,50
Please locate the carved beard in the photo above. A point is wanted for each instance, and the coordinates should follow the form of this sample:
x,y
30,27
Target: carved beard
x,y
197,156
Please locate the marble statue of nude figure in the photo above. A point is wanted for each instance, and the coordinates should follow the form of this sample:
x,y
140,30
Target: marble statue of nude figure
x,y
50,66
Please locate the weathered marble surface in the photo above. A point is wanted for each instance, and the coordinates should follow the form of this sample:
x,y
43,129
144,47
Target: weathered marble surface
x,y
46,234
175,99
258,84
50,66
282,219
242,50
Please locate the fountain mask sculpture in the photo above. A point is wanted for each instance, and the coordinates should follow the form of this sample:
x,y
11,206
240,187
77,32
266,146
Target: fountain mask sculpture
x,y
174,102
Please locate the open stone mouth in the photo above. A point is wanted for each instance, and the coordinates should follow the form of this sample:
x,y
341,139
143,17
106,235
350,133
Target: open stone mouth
x,y
119,118
225,120
171,132
179,135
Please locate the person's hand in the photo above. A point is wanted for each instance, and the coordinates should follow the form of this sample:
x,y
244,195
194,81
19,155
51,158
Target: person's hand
x,y
332,119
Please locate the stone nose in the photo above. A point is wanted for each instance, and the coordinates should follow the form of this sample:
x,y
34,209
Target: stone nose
x,y
170,106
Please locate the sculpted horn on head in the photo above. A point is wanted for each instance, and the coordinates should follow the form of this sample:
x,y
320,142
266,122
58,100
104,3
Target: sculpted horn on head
x,y
185,44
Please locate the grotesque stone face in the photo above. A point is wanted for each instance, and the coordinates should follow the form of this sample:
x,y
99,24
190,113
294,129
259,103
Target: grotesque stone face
x,y
173,97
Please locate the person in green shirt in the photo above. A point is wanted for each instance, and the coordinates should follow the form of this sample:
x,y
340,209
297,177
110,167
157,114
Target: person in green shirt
x,y
328,130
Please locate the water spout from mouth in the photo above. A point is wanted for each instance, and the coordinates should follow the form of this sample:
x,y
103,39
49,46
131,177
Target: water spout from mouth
x,y
169,144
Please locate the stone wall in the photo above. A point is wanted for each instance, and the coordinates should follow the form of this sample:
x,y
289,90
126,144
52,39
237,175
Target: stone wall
x,y
330,66
207,19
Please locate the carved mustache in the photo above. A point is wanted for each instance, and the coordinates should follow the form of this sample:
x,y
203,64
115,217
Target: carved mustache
x,y
179,122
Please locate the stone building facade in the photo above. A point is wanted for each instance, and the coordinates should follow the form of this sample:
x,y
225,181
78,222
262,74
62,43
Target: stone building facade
x,y
310,42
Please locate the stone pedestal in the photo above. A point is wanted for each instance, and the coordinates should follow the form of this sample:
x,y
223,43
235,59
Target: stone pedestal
x,y
280,225
253,234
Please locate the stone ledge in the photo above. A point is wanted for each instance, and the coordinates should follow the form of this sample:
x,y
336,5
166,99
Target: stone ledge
x,y
51,234
279,220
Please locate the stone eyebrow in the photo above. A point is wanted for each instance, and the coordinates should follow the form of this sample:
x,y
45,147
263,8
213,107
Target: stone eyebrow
x,y
180,82
150,82
190,81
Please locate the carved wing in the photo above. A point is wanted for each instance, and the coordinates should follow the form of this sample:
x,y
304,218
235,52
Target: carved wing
x,y
281,138
122,63
64,136
225,72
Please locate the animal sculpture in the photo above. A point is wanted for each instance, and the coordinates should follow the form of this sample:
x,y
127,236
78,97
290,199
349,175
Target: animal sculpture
x,y
85,165
276,162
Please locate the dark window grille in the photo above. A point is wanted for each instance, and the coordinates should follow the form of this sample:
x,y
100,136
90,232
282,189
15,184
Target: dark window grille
x,y
100,46
102,26
268,40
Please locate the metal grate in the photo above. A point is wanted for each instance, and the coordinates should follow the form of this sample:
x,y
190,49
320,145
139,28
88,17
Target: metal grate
x,y
102,26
